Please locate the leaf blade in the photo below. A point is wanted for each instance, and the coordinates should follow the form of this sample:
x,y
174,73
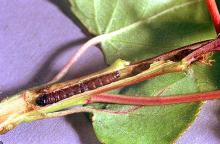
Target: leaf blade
x,y
145,29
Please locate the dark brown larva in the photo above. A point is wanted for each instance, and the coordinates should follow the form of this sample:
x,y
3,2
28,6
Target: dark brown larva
x,y
53,97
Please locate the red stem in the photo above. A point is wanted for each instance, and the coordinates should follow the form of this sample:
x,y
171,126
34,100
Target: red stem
x,y
213,10
187,98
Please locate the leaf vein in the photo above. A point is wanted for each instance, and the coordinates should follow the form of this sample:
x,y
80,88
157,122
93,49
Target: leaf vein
x,y
111,18
150,19
95,17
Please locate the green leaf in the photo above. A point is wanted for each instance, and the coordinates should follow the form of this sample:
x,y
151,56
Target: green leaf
x,y
147,28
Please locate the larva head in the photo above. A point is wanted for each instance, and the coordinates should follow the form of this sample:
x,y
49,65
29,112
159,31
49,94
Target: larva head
x,y
41,100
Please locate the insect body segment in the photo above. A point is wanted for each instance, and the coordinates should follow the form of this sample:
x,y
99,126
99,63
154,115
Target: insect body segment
x,y
53,97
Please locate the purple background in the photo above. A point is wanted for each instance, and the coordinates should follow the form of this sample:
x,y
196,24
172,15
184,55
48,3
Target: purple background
x,y
37,37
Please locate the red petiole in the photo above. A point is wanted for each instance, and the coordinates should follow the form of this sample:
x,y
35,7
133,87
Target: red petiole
x,y
158,100
214,13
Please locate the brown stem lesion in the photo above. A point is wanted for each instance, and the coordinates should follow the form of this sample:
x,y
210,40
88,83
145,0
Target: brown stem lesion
x,y
196,55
